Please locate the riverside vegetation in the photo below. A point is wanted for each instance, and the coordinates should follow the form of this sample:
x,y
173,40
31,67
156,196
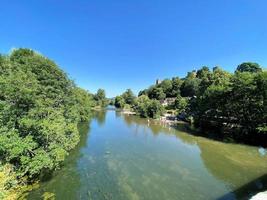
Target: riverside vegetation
x,y
40,108
235,104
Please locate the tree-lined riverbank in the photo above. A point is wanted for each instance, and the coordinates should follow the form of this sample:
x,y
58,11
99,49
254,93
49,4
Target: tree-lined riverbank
x,y
40,108
233,104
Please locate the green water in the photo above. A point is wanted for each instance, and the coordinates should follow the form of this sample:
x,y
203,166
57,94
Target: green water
x,y
123,157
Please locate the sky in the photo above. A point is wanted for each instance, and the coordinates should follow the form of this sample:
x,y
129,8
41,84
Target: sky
x,y
120,44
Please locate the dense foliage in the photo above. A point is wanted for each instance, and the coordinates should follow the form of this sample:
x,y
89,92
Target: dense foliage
x,y
100,98
142,105
236,103
40,108
146,107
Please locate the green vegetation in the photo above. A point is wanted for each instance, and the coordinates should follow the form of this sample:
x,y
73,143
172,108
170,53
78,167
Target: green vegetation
x,y
233,103
146,107
249,67
119,102
40,108
100,99
142,105
126,100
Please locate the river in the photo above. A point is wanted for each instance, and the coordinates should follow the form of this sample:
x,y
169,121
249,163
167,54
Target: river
x,y
124,157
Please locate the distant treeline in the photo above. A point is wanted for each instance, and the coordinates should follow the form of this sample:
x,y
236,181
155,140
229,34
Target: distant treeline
x,y
40,108
235,103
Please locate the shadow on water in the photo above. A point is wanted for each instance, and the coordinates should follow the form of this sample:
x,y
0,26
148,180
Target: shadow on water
x,y
246,191
240,167
233,164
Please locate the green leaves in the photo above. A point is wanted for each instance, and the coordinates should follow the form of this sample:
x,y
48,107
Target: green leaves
x,y
249,67
100,98
119,102
12,146
148,108
236,100
128,97
40,108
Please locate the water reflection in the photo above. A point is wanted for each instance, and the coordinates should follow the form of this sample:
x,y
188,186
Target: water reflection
x,y
241,167
127,157
100,117
67,174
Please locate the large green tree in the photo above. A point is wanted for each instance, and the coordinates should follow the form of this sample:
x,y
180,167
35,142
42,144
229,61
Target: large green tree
x,y
249,67
40,108
100,98
129,97
119,102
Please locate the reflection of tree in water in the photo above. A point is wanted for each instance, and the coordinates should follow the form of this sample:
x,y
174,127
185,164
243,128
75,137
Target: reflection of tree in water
x,y
118,114
65,182
157,127
235,164
100,117
241,167
84,130
131,120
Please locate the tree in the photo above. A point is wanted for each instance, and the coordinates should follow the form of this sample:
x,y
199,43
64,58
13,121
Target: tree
x,y
236,102
119,102
143,92
190,87
129,97
100,98
154,109
40,108
176,86
166,86
220,77
246,101
249,67
148,108
261,82
203,72
205,77
141,105
84,102
157,93
181,104
100,95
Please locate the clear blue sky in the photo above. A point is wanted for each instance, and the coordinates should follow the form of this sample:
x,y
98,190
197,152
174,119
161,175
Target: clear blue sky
x,y
120,44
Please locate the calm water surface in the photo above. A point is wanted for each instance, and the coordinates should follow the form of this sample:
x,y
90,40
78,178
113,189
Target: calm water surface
x,y
123,157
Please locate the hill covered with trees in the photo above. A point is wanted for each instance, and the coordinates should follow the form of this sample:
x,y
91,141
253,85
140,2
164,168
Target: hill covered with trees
x,y
234,103
40,108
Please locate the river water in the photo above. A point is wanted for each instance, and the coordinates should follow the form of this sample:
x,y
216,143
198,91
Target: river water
x,y
124,157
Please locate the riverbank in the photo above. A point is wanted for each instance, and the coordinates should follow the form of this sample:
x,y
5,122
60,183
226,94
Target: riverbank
x,y
128,112
166,119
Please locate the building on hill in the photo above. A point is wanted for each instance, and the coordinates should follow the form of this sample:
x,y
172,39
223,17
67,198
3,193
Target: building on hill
x,y
158,81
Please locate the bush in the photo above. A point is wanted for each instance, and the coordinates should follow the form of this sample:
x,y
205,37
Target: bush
x,y
148,108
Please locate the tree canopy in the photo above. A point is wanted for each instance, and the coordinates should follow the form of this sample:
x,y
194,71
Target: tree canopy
x,y
235,102
249,67
40,108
